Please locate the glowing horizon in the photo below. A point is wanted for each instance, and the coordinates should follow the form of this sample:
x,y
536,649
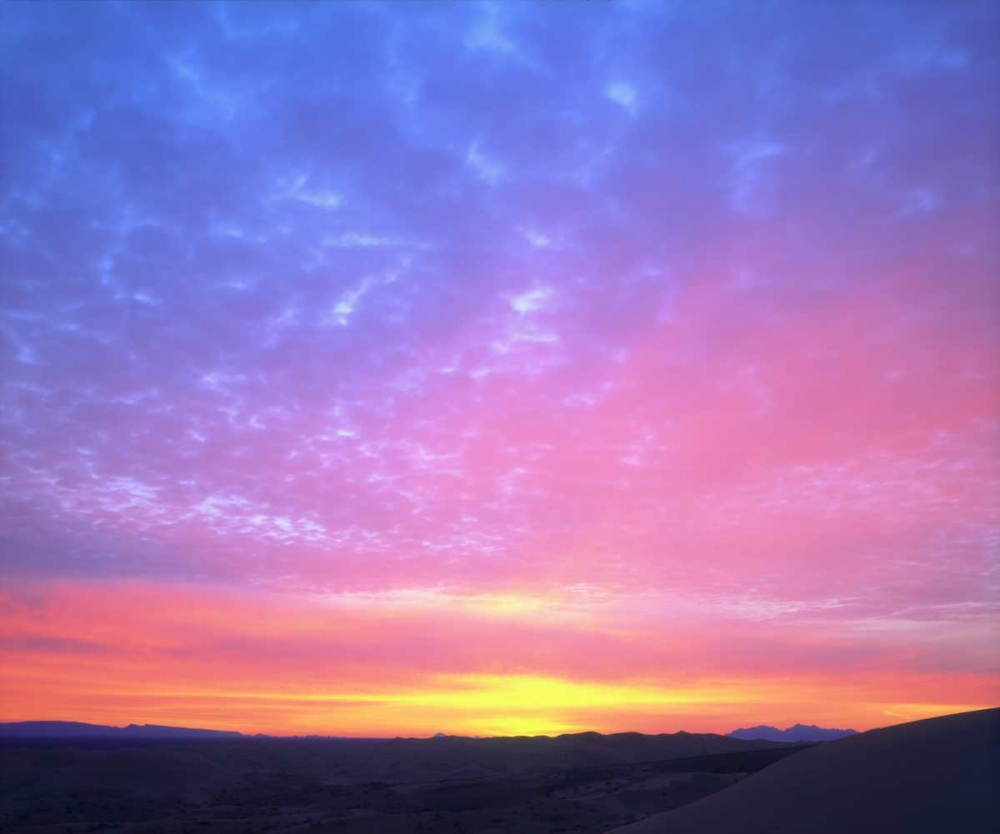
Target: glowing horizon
x,y
276,646
499,369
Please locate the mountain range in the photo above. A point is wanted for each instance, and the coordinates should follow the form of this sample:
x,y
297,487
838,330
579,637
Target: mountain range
x,y
796,733
77,729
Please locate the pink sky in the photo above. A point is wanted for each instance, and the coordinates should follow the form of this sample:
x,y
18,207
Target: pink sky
x,y
507,369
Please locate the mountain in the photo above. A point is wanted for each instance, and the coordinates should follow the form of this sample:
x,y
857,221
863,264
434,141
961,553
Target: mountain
x,y
158,731
576,782
591,746
800,732
924,777
79,730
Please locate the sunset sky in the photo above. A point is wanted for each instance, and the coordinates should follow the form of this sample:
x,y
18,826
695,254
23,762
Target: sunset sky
x,y
377,369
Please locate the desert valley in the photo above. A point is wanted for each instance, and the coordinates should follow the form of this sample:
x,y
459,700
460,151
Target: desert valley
x,y
932,776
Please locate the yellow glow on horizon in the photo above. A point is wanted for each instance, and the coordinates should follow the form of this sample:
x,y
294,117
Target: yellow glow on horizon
x,y
534,692
510,604
378,688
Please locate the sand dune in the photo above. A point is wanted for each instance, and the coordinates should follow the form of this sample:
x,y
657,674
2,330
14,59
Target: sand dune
x,y
934,776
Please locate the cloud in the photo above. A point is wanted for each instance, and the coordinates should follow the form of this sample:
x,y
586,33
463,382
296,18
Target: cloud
x,y
623,94
531,300
296,188
487,169
347,304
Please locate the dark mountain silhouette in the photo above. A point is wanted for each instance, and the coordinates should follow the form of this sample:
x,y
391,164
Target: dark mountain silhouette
x,y
924,777
95,778
79,730
688,744
797,733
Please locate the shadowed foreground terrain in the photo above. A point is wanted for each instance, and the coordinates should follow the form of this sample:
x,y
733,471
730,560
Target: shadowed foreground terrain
x,y
926,777
583,783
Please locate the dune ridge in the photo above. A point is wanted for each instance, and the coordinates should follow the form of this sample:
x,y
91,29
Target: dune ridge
x,y
923,777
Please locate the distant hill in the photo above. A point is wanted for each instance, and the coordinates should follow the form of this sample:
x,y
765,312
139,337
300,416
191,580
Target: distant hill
x,y
588,745
924,777
587,748
591,747
577,782
79,730
798,733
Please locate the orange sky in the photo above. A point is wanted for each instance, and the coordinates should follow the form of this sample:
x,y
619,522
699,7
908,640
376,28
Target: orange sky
x,y
416,664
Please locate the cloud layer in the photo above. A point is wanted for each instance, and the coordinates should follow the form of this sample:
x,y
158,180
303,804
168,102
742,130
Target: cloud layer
x,y
579,325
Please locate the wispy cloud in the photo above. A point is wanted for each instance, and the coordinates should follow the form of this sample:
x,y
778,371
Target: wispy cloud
x,y
353,311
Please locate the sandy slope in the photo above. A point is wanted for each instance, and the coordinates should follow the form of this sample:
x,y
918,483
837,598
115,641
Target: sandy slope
x,y
934,776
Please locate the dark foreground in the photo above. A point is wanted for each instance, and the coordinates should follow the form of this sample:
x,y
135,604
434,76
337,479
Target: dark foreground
x,y
581,783
936,776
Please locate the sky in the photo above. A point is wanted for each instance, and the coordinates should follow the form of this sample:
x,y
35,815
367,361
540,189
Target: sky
x,y
513,368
